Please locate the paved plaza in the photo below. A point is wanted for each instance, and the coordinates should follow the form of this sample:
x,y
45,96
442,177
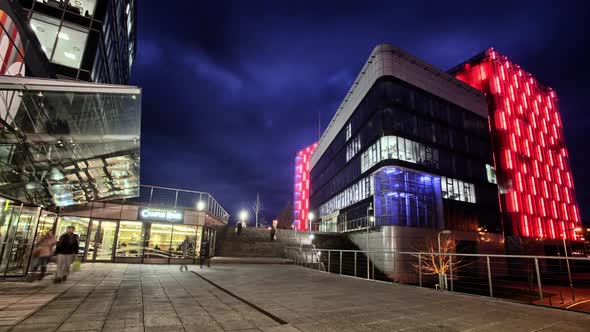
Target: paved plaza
x,y
120,297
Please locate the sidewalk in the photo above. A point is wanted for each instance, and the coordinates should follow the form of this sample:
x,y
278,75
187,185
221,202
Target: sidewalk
x,y
272,298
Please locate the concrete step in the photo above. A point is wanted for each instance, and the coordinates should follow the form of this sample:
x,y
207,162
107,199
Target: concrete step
x,y
249,260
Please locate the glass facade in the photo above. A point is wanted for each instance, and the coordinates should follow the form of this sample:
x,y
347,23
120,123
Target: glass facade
x,y
68,143
130,241
89,40
397,124
407,198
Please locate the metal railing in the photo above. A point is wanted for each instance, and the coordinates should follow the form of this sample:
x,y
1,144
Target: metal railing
x,y
541,280
180,198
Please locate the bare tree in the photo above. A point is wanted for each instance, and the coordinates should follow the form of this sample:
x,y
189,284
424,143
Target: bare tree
x,y
434,264
257,206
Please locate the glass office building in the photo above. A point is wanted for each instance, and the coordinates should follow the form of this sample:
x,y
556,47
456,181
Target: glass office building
x,y
410,141
154,227
88,40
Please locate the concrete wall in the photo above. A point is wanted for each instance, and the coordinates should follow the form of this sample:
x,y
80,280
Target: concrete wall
x,y
394,239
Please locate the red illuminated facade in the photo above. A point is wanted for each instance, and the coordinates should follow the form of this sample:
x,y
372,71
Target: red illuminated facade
x,y
537,195
301,189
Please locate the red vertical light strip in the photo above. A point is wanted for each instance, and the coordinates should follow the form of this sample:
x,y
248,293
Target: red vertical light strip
x,y
301,188
528,135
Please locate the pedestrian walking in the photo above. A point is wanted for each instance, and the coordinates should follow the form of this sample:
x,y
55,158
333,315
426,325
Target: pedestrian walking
x,y
42,253
204,254
273,233
185,247
67,247
239,227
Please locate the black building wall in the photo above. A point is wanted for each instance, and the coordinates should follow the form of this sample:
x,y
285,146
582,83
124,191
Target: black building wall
x,y
110,44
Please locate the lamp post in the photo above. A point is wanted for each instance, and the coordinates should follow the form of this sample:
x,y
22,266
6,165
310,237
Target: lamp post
x,y
310,217
567,262
370,219
446,232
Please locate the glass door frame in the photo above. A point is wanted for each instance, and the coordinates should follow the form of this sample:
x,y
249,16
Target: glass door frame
x,y
7,244
89,236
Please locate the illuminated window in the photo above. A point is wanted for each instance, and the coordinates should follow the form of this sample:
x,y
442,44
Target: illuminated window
x,y
348,131
457,190
353,147
491,174
70,46
45,29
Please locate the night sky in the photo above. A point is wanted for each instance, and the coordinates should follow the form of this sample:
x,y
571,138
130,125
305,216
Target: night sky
x,y
232,90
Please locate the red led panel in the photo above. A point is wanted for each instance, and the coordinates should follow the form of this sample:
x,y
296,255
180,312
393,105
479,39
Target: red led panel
x,y
301,188
538,196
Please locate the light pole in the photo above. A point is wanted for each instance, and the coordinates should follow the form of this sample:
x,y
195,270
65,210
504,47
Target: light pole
x,y
440,267
370,219
310,217
567,262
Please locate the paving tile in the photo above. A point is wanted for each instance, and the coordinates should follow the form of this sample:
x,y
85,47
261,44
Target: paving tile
x,y
164,328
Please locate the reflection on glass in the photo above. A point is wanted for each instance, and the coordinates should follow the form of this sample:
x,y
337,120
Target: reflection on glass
x,y
91,240
45,225
159,241
130,240
70,46
18,233
183,241
68,144
104,239
45,28
81,225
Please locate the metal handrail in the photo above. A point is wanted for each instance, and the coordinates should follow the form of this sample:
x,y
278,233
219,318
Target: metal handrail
x,y
518,282
452,254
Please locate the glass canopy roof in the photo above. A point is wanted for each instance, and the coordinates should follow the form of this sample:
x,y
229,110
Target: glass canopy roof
x,y
65,142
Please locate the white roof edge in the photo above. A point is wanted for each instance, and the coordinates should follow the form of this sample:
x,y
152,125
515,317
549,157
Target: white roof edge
x,y
474,99
48,84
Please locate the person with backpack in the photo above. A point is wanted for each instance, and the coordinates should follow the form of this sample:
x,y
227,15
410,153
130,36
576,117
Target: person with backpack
x,y
67,247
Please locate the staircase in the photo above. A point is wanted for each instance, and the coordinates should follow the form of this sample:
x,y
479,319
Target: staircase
x,y
255,242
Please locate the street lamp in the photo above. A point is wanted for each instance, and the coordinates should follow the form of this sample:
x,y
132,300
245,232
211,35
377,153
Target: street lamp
x,y
200,205
567,262
310,217
243,217
446,232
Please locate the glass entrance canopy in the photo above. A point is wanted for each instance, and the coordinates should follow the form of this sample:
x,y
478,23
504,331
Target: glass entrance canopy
x,y
65,142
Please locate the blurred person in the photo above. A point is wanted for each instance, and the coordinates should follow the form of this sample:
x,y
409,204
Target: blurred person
x,y
67,247
204,254
185,247
239,227
43,252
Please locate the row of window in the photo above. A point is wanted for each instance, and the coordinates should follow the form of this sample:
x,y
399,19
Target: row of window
x,y
62,42
355,193
399,148
353,147
81,7
457,190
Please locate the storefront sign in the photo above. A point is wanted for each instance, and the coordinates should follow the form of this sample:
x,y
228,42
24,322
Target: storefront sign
x,y
161,215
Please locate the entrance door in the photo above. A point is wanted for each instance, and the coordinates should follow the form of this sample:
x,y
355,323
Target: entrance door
x,y
17,232
101,242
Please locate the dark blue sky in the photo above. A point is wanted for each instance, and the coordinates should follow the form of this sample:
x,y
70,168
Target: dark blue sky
x,y
231,90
